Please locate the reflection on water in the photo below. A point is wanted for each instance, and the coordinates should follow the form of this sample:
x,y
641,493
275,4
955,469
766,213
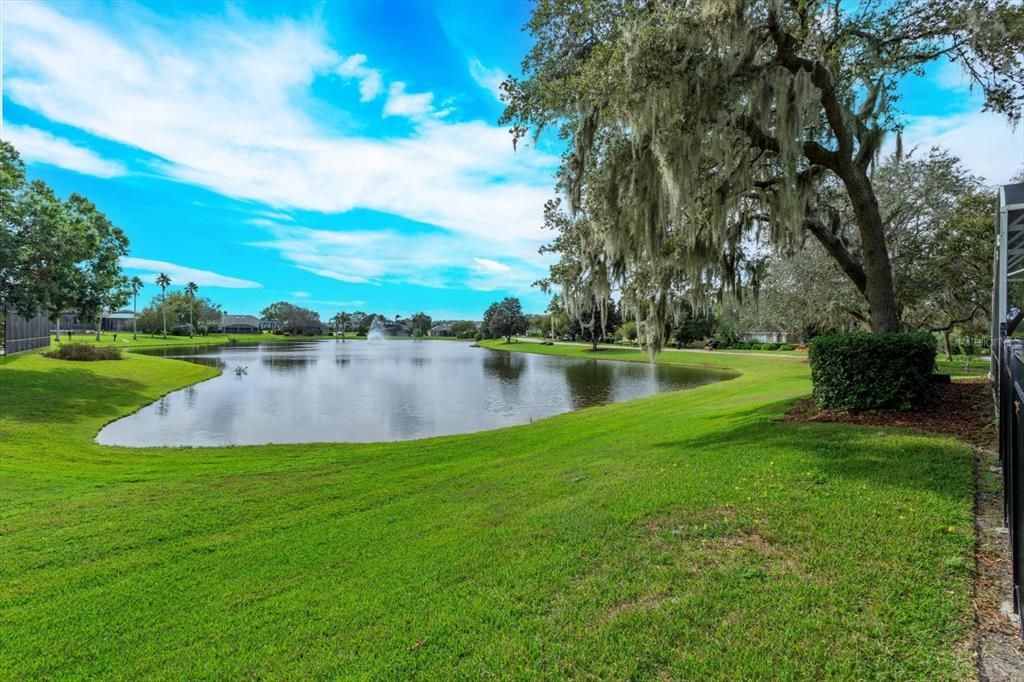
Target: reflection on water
x,y
593,383
507,367
310,391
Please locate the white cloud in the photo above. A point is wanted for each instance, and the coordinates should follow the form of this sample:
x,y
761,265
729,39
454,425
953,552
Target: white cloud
x,y
42,147
488,265
180,274
225,105
984,142
487,274
339,305
487,78
402,103
437,260
370,82
274,216
300,294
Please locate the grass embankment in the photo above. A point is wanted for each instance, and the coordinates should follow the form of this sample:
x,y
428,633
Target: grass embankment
x,y
687,535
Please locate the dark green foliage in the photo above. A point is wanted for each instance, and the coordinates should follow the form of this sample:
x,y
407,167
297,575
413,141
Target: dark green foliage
x,y
769,346
420,322
83,352
505,318
690,326
463,329
55,255
865,371
183,330
294,320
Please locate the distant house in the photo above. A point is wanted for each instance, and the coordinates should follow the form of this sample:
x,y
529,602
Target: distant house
x,y
70,322
390,328
443,329
270,325
240,324
119,321
778,335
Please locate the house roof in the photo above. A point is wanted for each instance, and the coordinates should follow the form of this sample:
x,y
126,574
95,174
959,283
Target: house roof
x,y
237,320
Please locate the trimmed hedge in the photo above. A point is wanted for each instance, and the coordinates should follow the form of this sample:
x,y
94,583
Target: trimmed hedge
x,y
864,371
84,353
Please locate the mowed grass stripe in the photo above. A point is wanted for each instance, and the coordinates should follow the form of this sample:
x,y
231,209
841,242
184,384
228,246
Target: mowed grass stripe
x,y
685,535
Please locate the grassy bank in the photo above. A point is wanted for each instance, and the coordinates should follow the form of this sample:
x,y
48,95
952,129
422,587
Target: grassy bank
x,y
687,535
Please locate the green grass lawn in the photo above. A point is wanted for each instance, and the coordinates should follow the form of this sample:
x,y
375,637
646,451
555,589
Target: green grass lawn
x,y
689,535
963,367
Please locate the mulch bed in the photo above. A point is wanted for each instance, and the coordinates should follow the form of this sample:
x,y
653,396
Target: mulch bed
x,y
963,409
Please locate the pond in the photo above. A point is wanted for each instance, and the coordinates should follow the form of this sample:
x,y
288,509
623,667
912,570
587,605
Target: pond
x,y
364,391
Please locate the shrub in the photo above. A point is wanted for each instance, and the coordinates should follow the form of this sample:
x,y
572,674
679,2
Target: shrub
x,y
83,352
865,371
182,330
786,346
769,346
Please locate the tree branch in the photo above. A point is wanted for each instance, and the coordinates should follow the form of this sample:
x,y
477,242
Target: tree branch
x,y
786,55
953,323
835,247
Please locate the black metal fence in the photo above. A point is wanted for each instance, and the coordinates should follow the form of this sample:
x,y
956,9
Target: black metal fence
x,y
1010,386
21,334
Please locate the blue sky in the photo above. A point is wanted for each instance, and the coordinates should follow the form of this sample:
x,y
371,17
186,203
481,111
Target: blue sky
x,y
344,155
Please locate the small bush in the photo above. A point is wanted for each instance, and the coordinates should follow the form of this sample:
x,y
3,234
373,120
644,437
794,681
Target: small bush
x,y
865,371
82,352
769,346
786,346
183,330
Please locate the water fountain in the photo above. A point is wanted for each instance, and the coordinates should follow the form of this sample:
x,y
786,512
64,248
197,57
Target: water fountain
x,y
376,332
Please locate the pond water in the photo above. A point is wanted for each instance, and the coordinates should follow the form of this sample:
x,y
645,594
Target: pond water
x,y
363,391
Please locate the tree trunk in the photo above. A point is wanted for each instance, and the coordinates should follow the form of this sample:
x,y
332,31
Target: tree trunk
x,y
879,290
946,345
593,327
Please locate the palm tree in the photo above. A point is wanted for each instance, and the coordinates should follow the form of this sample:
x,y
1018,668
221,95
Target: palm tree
x,y
191,288
136,286
163,281
341,321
